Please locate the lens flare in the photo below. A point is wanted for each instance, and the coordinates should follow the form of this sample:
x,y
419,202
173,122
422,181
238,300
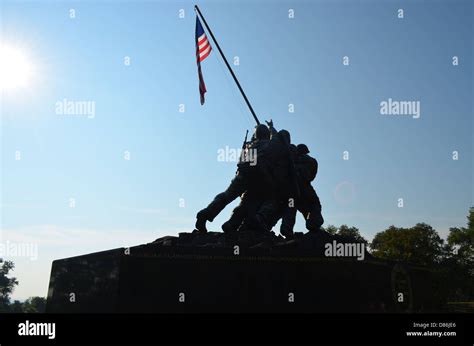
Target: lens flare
x,y
15,69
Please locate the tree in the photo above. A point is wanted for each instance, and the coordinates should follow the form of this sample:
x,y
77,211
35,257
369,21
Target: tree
x,y
458,264
331,229
461,240
34,304
349,233
420,244
7,284
15,307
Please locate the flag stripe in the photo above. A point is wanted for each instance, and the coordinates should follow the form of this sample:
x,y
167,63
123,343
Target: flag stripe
x,y
204,44
203,55
203,47
202,38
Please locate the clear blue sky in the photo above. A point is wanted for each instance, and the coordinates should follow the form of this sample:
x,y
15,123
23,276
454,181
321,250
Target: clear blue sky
x,y
174,155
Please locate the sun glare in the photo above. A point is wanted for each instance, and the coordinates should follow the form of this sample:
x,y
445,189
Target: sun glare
x,y
15,69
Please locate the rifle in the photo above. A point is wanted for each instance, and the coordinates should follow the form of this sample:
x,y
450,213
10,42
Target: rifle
x,y
245,140
242,154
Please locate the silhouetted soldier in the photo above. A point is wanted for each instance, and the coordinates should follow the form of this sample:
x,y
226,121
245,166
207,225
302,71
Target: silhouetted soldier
x,y
308,203
243,215
269,181
238,185
287,212
282,179
259,187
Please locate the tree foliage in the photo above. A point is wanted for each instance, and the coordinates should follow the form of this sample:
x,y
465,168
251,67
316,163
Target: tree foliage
x,y
34,304
7,284
348,233
420,244
461,240
459,263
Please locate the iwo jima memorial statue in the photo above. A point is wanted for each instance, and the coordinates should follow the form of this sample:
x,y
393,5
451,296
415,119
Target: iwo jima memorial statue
x,y
247,267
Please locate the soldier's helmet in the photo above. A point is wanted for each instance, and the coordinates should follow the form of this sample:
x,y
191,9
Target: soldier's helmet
x,y
302,149
262,132
285,136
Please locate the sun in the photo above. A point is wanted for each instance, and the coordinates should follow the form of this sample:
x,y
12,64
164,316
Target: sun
x,y
15,68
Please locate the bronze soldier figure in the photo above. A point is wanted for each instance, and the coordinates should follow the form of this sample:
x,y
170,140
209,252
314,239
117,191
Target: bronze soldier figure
x,y
238,185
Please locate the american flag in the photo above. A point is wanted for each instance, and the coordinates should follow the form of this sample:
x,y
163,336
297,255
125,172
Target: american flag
x,y
203,49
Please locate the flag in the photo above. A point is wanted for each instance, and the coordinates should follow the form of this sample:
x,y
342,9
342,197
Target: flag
x,y
203,49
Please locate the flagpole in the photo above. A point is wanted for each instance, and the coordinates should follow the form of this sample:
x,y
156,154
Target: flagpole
x,y
227,64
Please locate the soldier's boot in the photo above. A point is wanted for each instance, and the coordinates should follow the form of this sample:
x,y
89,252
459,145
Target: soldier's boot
x,y
211,211
314,221
286,232
229,227
288,222
265,217
314,218
238,216
201,219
